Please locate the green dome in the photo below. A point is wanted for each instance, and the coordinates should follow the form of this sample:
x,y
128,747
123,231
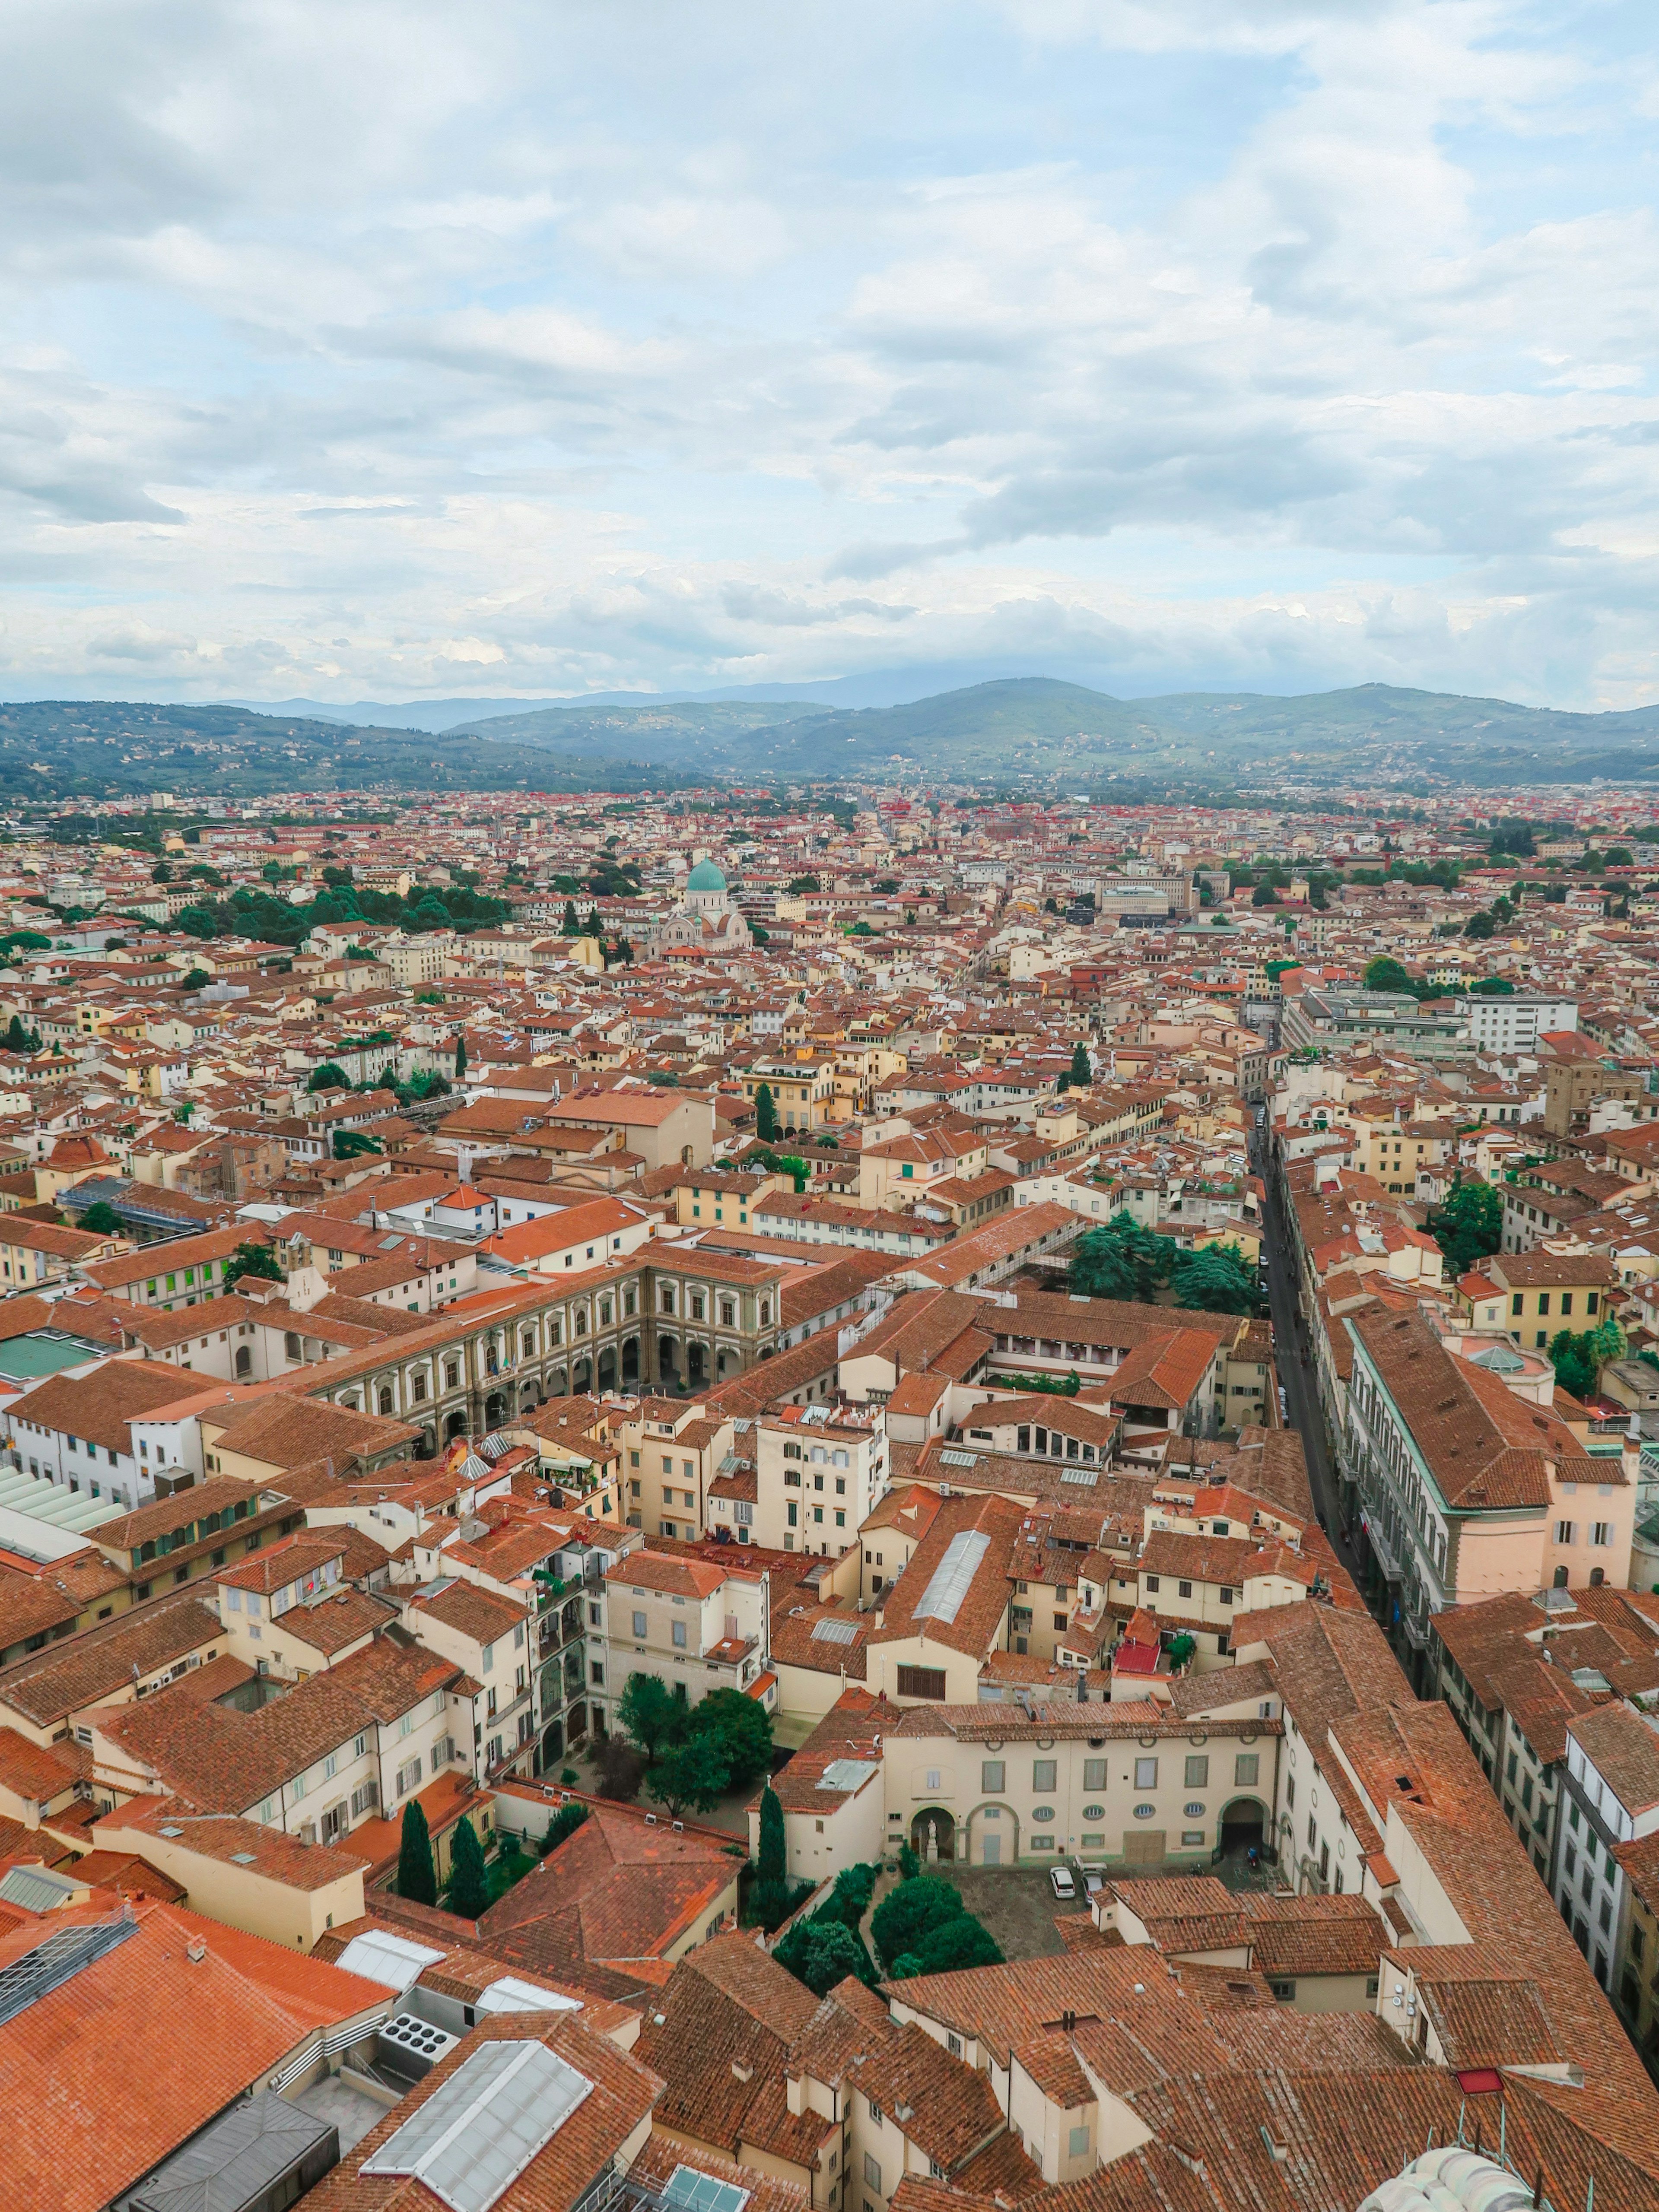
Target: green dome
x,y
705,876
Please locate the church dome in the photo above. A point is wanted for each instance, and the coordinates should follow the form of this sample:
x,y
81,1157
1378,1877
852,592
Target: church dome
x,y
705,876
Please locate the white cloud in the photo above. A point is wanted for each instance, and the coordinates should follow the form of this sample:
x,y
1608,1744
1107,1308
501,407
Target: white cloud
x,y
1213,341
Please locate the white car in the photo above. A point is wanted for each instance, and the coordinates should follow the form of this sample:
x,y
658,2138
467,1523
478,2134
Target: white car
x,y
1093,1881
1061,1879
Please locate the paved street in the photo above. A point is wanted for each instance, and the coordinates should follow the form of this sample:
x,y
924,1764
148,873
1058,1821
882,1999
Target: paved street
x,y
1289,1340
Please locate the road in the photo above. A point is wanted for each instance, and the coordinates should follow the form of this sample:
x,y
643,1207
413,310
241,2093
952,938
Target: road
x,y
1291,1339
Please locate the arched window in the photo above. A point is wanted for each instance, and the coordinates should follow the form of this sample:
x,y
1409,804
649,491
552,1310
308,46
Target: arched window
x,y
385,1402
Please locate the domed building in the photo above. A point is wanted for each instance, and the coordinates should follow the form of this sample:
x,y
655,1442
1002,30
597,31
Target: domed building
x,y
706,920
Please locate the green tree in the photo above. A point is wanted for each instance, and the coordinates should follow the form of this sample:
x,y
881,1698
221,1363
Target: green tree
x,y
353,1144
18,1039
565,1822
469,1881
328,1077
1121,1259
416,1877
160,873
460,1057
650,1712
1216,1279
766,1117
693,1774
1083,1073
1468,1225
1264,894
196,980
822,1952
570,926
908,1912
1575,1370
1480,926
199,921
950,1949
771,1869
1385,974
101,1219
743,1729
256,1259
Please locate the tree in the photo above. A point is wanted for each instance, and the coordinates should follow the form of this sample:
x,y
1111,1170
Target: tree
x,y
199,921
565,1822
460,1057
771,1869
1468,1227
1083,1073
651,1714
196,980
101,1219
160,873
766,1117
1121,1259
822,1952
1216,1279
1480,926
907,1913
416,1876
1264,894
328,1077
18,1039
570,926
352,1145
256,1259
693,1773
469,1884
621,1769
950,1949
743,1729
1385,974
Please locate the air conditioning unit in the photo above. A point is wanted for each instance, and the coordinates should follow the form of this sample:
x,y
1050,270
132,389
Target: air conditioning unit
x,y
411,2046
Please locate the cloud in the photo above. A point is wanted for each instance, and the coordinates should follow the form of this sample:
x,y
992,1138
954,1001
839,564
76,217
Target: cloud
x,y
1213,341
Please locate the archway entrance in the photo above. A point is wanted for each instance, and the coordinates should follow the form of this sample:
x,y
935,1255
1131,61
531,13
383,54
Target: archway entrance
x,y
630,1359
993,1837
552,1746
1244,1827
494,1410
528,1397
933,1834
426,1445
582,1377
454,1426
668,1362
695,1357
607,1369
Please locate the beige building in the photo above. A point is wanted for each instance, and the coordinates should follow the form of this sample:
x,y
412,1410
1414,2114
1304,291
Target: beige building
x,y
246,1876
695,1624
819,1470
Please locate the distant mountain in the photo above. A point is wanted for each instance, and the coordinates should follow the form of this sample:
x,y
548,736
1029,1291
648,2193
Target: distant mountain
x,y
992,735
101,749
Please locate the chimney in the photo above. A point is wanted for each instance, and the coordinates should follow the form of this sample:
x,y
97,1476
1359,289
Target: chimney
x,y
196,1949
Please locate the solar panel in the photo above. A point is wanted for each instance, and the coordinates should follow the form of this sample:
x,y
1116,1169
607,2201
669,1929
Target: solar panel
x,y
699,2192
835,1631
477,2131
951,1579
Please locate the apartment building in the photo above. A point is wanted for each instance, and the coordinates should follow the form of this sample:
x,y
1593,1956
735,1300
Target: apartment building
x,y
1610,1784
818,1471
694,1623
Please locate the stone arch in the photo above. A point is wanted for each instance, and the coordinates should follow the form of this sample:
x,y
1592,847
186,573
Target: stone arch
x,y
582,1375
426,1444
631,1360
668,1359
608,1368
1245,1820
552,1746
495,1409
527,1396
992,1836
942,1843
244,1363
696,1364
455,1426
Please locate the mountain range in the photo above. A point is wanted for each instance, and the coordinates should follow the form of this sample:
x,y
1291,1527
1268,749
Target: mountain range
x,y
997,734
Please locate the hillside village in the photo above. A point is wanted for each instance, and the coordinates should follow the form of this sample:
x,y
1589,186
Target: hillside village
x,y
683,1472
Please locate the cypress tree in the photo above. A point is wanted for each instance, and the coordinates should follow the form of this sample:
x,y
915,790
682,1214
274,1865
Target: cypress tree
x,y
416,1876
766,1119
771,1885
469,1885
1082,1073
460,1057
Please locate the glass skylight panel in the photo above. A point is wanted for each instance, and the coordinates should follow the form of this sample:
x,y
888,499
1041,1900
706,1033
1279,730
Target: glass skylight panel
x,y
392,1961
691,2192
478,2131
958,1459
951,1580
835,1631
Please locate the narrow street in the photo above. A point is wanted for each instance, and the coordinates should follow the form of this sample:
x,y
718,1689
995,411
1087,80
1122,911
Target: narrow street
x,y
1291,1340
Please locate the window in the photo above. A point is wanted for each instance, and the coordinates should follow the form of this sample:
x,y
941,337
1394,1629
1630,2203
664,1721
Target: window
x,y
1043,1774
1184,1589
922,1682
992,1774
1565,1533
1077,2142
1094,1774
1198,1772
639,1625
1543,1303
872,2170
680,1635
1601,1532
1153,1582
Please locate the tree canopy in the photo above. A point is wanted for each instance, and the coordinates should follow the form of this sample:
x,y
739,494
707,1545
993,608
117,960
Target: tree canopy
x,y
1123,1260
1468,1225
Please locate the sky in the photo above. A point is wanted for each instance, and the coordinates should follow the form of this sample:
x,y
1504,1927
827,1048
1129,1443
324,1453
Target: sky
x,y
371,349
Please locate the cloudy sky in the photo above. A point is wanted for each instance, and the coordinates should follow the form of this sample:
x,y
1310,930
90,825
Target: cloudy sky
x,y
357,350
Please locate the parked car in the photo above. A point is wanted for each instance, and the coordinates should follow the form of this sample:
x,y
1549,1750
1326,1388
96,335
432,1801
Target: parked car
x,y
1093,1881
1062,1878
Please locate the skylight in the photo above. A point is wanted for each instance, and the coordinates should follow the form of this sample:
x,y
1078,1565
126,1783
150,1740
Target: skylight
x,y
477,2131
392,1961
951,1580
835,1631
691,2192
